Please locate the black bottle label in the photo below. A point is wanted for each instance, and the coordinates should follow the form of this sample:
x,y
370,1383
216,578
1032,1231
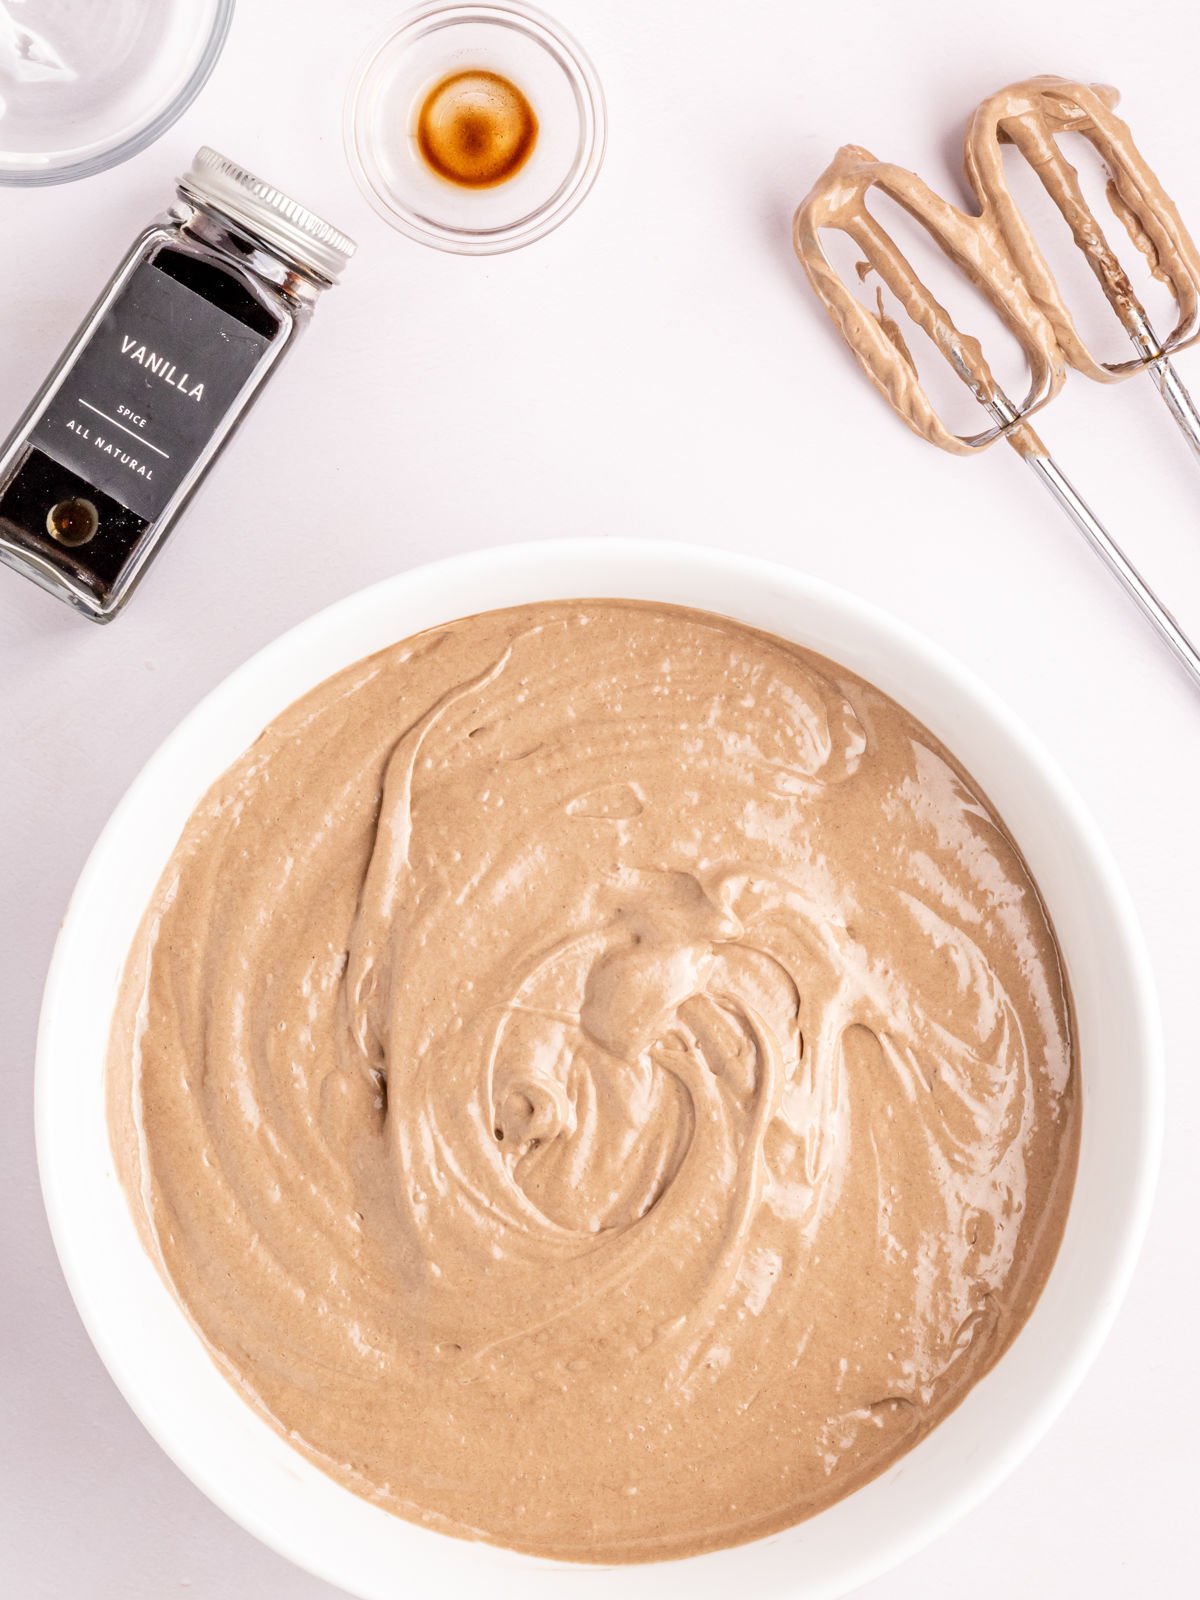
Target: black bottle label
x,y
138,406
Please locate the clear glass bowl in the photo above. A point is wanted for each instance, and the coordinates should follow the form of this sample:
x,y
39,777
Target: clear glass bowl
x,y
85,85
520,44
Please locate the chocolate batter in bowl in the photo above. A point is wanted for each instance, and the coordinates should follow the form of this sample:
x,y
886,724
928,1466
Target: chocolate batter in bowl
x,y
599,1077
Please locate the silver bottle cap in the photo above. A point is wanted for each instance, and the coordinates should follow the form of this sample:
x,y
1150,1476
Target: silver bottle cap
x,y
297,233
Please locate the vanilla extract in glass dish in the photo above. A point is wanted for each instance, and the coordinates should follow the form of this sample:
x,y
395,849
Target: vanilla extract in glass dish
x,y
475,128
206,302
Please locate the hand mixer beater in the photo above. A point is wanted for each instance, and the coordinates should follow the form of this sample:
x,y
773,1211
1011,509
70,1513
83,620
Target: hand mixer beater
x,y
997,253
1031,117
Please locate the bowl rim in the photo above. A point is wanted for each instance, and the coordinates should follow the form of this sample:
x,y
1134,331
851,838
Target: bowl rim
x,y
112,155
639,560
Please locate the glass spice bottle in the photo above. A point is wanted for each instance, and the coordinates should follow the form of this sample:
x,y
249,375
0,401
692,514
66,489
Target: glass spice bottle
x,y
194,320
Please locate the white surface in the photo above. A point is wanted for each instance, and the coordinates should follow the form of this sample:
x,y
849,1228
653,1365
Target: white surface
x,y
150,1347
656,367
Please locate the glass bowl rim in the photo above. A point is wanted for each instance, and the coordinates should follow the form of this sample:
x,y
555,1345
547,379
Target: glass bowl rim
x,y
113,155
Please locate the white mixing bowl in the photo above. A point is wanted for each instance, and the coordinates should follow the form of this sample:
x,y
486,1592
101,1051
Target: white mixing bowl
x,y
155,1355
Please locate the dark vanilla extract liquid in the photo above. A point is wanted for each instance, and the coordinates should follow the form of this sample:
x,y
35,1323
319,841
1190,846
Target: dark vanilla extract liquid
x,y
476,129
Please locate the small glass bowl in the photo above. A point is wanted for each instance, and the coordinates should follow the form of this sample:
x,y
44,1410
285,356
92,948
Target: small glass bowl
x,y
85,86
520,44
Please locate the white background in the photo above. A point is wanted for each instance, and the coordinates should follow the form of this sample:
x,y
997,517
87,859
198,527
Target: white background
x,y
657,368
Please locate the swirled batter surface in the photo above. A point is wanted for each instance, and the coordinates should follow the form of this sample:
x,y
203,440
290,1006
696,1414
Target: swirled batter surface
x,y
599,1079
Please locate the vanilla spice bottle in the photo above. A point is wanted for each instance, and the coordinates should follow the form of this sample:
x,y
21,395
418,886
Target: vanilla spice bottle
x,y
194,320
